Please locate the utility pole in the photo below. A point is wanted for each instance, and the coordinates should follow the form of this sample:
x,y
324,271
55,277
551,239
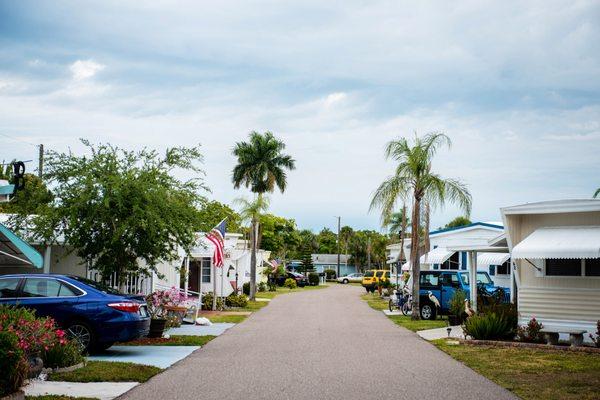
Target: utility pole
x,y
41,161
338,248
369,251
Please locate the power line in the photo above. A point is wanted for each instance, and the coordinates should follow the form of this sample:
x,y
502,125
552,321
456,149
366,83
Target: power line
x,y
19,140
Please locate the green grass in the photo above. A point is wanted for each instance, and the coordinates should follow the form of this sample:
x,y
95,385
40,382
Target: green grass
x,y
533,374
174,340
234,319
58,397
106,371
377,303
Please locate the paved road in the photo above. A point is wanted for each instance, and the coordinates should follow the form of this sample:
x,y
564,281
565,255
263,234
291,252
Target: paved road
x,y
320,344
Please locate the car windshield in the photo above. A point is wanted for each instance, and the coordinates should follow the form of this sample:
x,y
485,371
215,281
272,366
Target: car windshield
x,y
482,277
379,274
368,274
97,285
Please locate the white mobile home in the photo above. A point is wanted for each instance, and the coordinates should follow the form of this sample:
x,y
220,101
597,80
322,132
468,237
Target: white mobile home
x,y
556,248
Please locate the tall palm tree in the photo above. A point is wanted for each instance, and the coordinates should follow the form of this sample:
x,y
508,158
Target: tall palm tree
x,y
261,167
597,193
397,222
413,179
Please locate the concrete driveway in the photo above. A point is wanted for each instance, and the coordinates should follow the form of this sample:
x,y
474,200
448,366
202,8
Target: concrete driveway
x,y
319,344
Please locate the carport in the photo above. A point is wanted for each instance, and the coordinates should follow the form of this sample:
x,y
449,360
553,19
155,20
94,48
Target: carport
x,y
16,252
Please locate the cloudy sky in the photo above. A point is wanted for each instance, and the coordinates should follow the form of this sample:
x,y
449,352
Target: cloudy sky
x,y
516,85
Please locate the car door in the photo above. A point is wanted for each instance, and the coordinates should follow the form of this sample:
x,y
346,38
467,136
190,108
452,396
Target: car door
x,y
430,281
9,288
49,297
450,285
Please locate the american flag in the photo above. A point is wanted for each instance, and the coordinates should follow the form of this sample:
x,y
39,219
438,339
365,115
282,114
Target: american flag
x,y
217,237
275,265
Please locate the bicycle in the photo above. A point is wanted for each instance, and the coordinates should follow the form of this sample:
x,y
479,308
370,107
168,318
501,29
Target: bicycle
x,y
399,299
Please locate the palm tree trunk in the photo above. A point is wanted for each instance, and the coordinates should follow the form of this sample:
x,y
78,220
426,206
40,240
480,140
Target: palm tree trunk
x,y
414,258
253,260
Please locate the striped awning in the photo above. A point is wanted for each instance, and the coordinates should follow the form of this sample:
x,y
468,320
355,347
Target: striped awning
x,y
486,259
436,256
560,242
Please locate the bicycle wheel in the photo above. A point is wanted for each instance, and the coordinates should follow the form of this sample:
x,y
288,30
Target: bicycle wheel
x,y
391,305
407,308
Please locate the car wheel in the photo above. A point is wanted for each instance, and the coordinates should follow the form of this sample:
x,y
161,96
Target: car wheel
x,y
345,281
427,311
82,334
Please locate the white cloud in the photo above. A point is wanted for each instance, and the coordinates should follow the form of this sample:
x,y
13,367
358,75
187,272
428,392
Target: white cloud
x,y
85,69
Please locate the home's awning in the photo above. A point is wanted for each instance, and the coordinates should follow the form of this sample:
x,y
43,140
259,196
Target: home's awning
x,y
485,259
436,256
560,242
15,252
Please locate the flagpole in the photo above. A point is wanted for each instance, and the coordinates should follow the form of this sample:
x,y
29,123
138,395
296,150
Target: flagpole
x,y
214,269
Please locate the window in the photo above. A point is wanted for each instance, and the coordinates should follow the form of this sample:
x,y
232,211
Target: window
x,y
451,263
387,274
592,266
563,267
450,280
492,270
482,277
503,269
206,270
429,279
369,274
379,274
8,287
42,287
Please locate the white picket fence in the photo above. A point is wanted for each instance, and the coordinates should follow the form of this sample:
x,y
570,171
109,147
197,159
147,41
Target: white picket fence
x,y
134,284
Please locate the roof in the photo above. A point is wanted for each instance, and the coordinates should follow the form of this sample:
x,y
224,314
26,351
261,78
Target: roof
x,y
554,206
486,259
470,226
14,251
560,242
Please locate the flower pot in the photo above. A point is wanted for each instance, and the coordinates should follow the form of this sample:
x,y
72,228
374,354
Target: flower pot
x,y
35,365
454,320
157,327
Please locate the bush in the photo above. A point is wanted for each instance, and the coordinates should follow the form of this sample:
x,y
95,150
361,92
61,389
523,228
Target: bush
x,y
596,340
236,300
506,311
330,274
246,288
457,303
272,286
62,356
262,287
313,278
290,283
207,300
530,332
12,364
490,326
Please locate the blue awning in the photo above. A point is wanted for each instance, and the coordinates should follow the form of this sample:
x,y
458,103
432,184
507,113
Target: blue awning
x,y
15,252
7,189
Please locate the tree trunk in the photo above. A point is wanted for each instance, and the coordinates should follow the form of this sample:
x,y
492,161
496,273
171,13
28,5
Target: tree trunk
x,y
414,257
253,260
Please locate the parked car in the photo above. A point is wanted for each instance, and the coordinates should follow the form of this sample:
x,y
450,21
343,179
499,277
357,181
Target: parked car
x,y
300,279
443,284
356,277
91,313
372,278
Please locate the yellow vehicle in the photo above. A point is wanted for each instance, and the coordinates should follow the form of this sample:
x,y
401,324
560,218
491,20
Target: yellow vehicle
x,y
373,277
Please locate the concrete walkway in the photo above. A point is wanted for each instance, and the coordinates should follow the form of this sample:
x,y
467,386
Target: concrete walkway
x,y
318,344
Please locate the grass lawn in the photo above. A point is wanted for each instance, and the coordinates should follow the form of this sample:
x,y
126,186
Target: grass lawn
x,y
377,303
533,373
234,319
174,340
106,371
58,397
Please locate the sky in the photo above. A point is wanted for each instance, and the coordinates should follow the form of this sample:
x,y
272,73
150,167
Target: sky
x,y
516,85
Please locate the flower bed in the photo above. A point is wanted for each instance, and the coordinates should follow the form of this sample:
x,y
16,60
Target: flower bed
x,y
499,343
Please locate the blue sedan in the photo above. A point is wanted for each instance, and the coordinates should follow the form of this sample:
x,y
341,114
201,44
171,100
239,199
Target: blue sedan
x,y
91,313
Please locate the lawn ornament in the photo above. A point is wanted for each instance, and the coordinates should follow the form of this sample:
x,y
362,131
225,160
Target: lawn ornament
x,y
468,310
203,321
435,302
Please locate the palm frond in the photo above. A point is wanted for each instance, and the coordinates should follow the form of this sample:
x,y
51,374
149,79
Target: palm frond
x,y
597,193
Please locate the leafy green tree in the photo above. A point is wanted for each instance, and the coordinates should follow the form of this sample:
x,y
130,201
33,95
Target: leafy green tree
x,y
213,212
307,240
458,222
261,166
414,180
278,235
327,241
117,207
34,196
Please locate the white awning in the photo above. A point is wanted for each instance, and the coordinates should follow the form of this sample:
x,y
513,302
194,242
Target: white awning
x,y
560,242
436,256
485,259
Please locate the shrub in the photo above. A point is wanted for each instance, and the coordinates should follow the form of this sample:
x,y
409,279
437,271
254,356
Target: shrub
x,y
530,332
62,356
457,303
246,288
506,311
330,274
207,300
290,283
272,286
313,278
489,326
596,340
236,300
262,287
12,363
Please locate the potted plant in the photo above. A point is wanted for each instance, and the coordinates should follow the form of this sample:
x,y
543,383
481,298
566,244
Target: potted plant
x,y
160,304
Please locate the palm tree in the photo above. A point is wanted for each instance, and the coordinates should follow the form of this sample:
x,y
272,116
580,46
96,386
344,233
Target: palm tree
x,y
261,166
397,222
413,179
597,193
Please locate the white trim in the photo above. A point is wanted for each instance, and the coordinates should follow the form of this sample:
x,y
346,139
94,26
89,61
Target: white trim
x,y
552,207
561,289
